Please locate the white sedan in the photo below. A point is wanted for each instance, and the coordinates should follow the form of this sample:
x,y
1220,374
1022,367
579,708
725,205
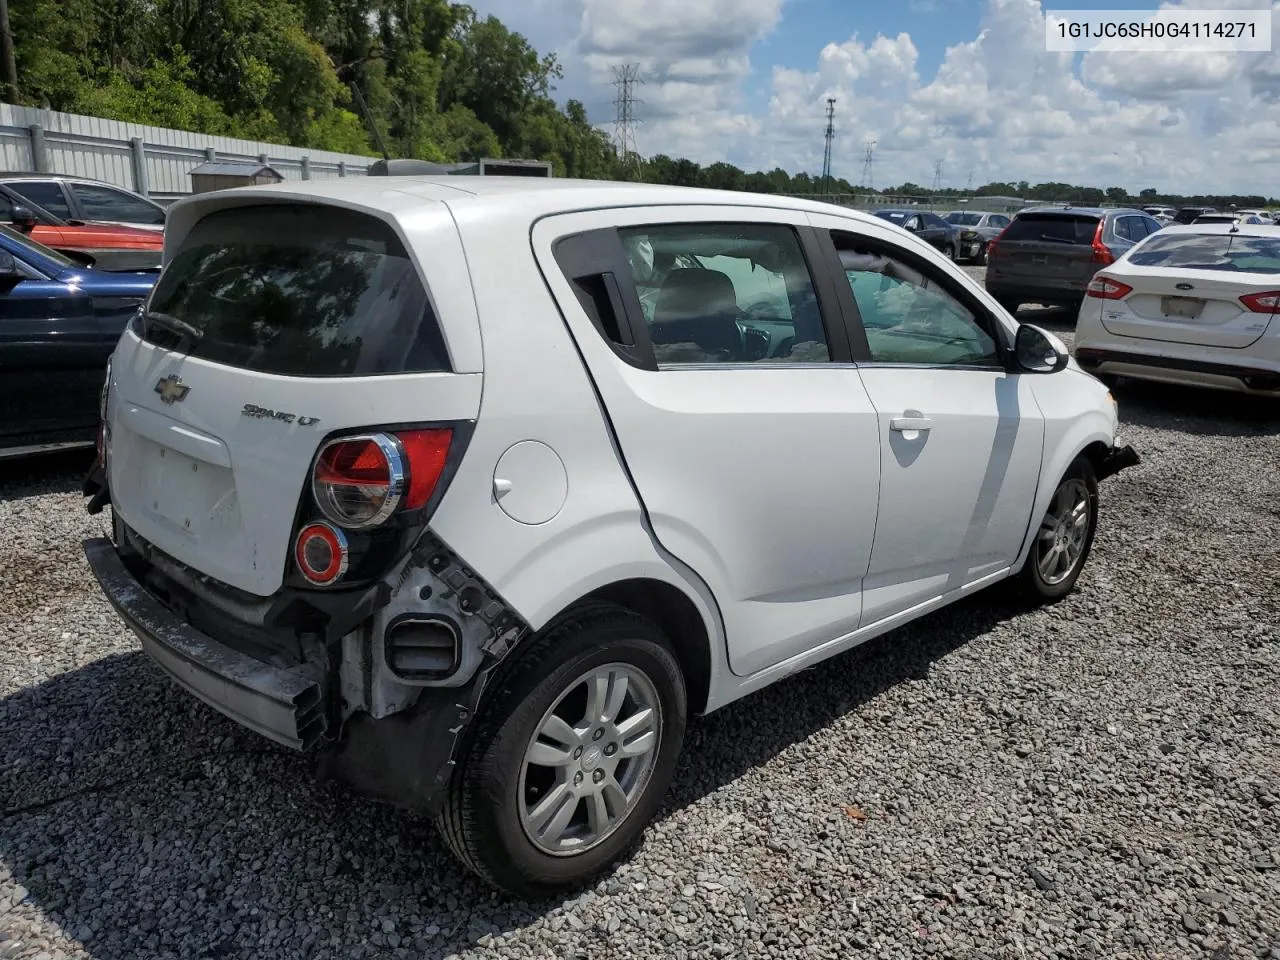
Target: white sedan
x,y
1195,304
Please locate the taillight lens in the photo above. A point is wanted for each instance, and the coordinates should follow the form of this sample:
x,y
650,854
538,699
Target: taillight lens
x,y
321,553
991,244
1268,302
1100,252
359,482
1108,288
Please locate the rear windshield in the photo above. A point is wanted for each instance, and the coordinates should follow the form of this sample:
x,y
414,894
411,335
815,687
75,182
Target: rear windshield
x,y
1051,228
298,290
964,219
1215,251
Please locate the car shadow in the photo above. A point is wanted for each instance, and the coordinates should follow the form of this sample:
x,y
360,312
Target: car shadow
x,y
139,821
62,472
1196,410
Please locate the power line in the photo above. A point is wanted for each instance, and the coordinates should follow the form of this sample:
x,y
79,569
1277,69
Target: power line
x,y
830,136
868,169
626,78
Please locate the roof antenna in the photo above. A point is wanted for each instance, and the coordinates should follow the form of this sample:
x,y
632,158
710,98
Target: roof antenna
x,y
368,119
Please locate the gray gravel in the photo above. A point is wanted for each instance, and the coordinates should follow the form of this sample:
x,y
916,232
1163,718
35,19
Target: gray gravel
x,y
1101,779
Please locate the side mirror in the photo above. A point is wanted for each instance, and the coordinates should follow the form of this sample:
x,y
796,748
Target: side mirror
x,y
9,272
1038,351
23,218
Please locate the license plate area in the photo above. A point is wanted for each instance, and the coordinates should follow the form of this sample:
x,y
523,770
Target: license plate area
x,y
190,497
1181,308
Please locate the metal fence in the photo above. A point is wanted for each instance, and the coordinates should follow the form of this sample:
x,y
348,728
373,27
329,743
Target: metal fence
x,y
153,161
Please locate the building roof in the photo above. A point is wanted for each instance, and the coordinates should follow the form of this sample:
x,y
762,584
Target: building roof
x,y
230,168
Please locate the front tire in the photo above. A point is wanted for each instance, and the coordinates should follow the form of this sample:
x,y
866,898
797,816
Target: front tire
x,y
1064,536
981,258
571,756
951,252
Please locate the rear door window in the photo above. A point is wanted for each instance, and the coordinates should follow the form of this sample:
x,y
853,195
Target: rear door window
x,y
299,290
1052,228
107,203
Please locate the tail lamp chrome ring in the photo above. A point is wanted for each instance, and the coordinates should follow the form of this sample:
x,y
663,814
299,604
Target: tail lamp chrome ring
x,y
397,481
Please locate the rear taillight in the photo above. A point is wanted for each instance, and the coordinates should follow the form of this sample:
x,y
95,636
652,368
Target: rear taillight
x,y
1100,252
1106,288
359,482
321,553
991,244
1268,302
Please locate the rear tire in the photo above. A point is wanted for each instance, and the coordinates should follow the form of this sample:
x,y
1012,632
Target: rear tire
x,y
981,258
555,785
951,252
1064,536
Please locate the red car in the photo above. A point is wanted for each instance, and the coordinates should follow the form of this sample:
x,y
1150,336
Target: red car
x,y
98,245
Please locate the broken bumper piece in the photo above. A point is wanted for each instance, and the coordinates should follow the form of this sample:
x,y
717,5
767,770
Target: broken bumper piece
x,y
1117,459
282,704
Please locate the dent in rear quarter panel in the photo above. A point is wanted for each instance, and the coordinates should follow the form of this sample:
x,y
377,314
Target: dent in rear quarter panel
x,y
535,388
1076,413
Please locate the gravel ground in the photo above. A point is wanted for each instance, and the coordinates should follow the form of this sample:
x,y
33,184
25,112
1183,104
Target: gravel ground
x,y
1101,779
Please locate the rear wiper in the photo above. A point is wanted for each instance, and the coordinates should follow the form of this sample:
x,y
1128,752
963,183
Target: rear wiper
x,y
171,323
1045,236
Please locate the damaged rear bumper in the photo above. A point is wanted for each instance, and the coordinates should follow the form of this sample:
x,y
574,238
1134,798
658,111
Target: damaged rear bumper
x,y
1115,460
283,704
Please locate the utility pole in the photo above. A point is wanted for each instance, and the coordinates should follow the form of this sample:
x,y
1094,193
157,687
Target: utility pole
x,y
868,170
7,60
830,136
937,175
626,78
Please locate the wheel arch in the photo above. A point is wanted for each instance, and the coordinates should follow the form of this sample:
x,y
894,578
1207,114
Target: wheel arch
x,y
1090,440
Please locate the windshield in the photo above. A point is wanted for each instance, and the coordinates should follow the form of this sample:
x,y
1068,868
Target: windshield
x,y
40,248
1209,251
964,219
299,290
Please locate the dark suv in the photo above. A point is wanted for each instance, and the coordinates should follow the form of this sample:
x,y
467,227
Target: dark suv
x,y
1048,255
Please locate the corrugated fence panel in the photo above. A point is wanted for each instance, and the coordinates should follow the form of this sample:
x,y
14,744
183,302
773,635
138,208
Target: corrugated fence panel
x,y
98,148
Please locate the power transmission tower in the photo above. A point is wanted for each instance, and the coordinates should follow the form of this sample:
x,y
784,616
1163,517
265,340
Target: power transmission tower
x,y
868,161
830,136
937,175
626,78
968,186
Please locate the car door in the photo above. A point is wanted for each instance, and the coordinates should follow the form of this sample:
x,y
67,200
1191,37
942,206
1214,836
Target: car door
x,y
937,232
961,437
723,364
51,357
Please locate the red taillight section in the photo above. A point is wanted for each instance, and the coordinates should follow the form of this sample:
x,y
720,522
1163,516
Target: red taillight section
x,y
427,453
1107,288
991,244
1100,252
358,481
321,553
1268,302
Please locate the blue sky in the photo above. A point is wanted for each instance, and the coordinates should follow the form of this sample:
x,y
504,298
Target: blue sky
x,y
964,82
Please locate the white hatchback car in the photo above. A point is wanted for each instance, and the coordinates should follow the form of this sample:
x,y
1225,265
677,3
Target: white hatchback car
x,y
480,488
1196,305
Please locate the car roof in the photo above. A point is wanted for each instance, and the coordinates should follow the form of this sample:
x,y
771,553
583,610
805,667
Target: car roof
x,y
30,175
529,197
1085,211
977,213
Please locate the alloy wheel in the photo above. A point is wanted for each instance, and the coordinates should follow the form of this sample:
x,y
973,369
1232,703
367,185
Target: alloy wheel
x,y
590,759
1060,543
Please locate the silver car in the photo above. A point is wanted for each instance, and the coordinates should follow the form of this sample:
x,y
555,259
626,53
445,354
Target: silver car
x,y
977,229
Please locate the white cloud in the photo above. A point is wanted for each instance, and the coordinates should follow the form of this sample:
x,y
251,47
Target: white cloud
x,y
997,107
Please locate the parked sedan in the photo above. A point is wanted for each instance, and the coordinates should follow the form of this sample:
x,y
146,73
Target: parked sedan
x,y
102,246
1229,218
1048,255
79,198
977,229
929,227
1195,304
59,321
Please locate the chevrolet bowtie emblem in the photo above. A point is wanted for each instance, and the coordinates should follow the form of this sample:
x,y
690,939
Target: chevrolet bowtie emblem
x,y
172,389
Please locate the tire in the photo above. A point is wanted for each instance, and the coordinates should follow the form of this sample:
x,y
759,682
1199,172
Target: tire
x,y
1041,582
951,252
981,258
491,814
1011,305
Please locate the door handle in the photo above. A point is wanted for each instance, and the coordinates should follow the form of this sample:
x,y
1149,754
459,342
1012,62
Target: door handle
x,y
903,424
